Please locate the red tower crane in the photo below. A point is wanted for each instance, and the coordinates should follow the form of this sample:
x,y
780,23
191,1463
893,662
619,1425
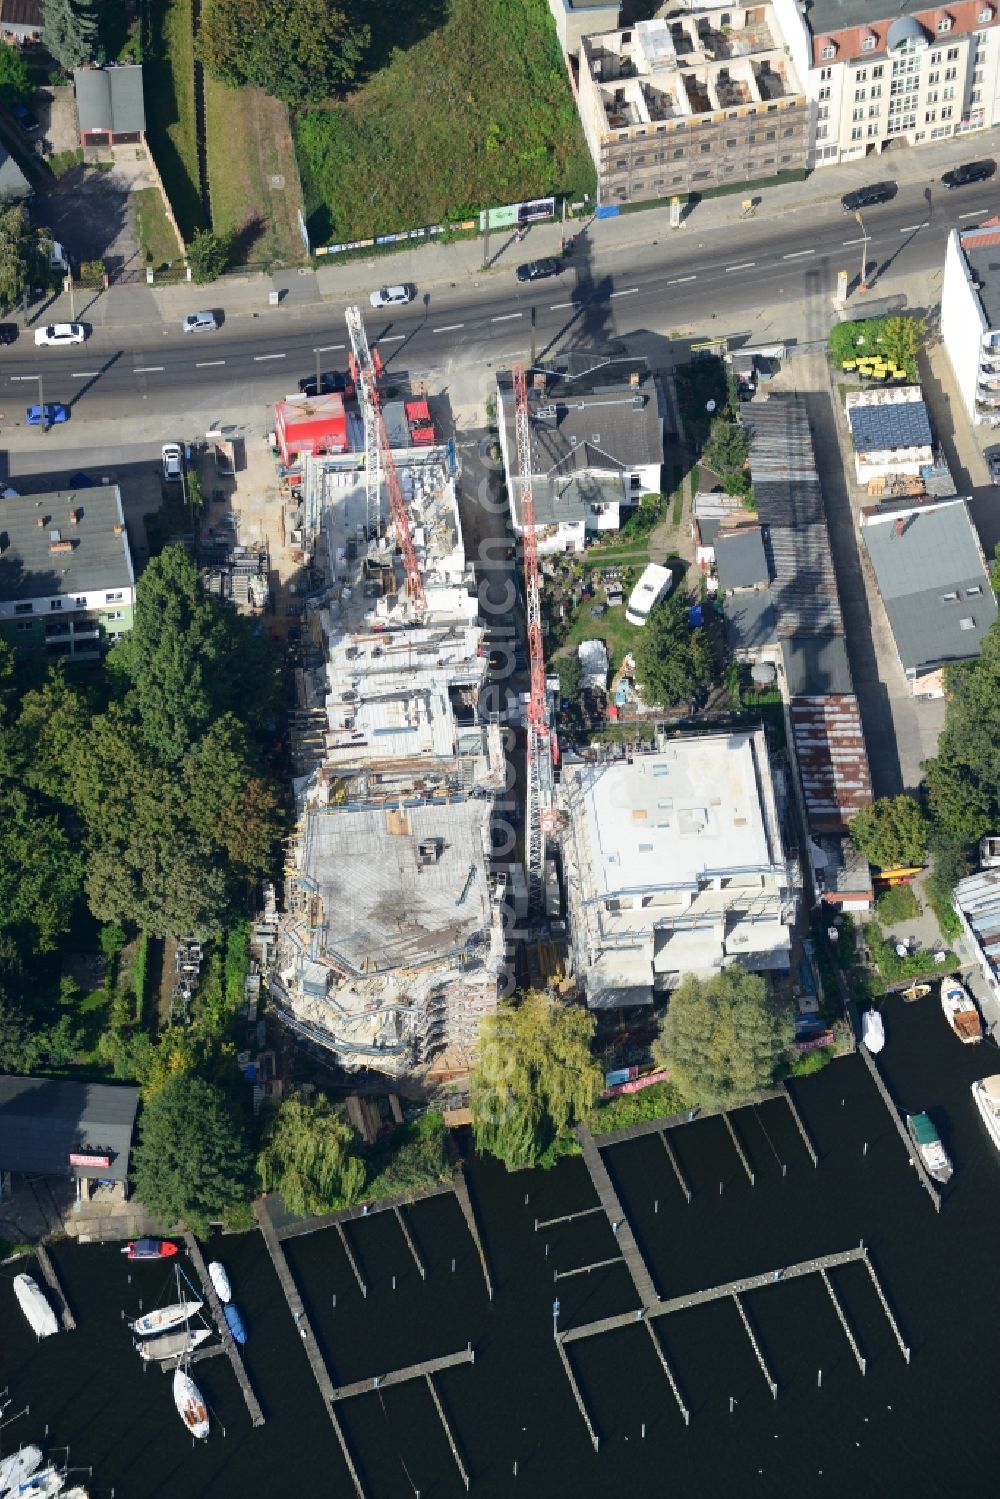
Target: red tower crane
x,y
366,370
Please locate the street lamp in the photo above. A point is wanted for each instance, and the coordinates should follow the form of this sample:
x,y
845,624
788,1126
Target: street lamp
x,y
864,252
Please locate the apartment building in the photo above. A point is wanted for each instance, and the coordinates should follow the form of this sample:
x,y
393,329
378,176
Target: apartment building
x,y
690,101
67,586
877,75
970,317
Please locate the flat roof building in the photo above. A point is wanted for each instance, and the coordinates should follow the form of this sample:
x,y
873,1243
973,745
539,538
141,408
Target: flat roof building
x,y
675,863
970,317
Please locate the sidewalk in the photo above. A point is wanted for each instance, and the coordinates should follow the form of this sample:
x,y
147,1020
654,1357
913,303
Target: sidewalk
x,y
439,265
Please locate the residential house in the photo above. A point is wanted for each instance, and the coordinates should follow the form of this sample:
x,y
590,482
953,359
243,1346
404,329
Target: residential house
x,y
932,576
109,104
701,99
22,22
876,74
675,863
970,317
891,431
67,587
596,442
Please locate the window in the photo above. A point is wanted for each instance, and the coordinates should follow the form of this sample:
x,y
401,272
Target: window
x,y
828,51
115,614
933,78
857,114
985,16
949,598
952,54
730,143
788,130
973,592
950,74
944,24
620,164
822,131
877,91
678,152
873,111
947,112
823,113
859,94
977,76
857,133
966,623
23,608
706,147
976,97
932,97
115,598
877,72
55,603
825,74
873,130
869,43
24,625
930,116
861,75
824,93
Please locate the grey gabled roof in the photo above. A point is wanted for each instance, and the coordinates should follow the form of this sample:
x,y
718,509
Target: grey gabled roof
x,y
110,99
42,1120
892,424
740,559
99,558
931,575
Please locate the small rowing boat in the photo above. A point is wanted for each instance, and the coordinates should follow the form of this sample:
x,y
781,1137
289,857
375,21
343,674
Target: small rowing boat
x,y
220,1280
35,1307
235,1323
916,991
190,1405
960,1012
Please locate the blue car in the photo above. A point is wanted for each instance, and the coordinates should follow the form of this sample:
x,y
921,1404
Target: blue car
x,y
55,412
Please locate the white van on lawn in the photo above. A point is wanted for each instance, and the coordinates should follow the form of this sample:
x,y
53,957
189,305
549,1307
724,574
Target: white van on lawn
x,y
653,586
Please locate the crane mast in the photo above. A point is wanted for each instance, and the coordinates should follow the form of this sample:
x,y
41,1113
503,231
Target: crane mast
x,y
366,368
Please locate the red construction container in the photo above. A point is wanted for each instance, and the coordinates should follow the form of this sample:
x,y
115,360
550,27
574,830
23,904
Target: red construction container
x,y
310,424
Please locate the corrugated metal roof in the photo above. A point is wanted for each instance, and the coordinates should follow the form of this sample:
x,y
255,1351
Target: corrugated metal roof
x,y
783,465
890,424
831,757
805,585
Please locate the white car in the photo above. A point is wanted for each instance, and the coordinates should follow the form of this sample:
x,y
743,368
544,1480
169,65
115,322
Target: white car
x,y
197,322
173,462
60,333
391,296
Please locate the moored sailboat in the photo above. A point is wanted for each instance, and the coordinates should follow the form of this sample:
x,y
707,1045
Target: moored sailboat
x,y
220,1280
872,1031
172,1344
163,1318
18,1467
190,1404
44,1485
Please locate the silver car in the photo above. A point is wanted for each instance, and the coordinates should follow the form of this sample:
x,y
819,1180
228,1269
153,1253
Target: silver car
x,y
197,322
391,296
173,462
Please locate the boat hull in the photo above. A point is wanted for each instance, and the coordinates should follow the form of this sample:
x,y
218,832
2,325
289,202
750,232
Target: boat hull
x,y
235,1323
150,1249
190,1405
873,1031
44,1485
989,1111
961,1013
172,1344
164,1318
35,1307
19,1467
220,1280
932,1153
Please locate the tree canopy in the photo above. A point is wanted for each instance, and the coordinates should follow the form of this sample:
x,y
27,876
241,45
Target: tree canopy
x,y
18,252
192,1160
963,781
15,80
300,51
208,254
891,832
71,31
41,870
723,1039
535,1076
309,1157
673,662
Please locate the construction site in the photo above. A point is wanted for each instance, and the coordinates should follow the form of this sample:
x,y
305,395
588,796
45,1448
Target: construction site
x,y
391,946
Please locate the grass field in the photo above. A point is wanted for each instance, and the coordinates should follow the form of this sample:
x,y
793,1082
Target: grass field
x,y
155,234
613,628
248,142
468,105
168,82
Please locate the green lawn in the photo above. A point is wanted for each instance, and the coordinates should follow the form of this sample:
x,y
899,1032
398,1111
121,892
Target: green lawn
x,y
157,238
473,108
168,84
247,144
613,628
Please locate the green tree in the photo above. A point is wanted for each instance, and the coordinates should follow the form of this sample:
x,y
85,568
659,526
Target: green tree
x,y
17,252
568,668
892,831
963,781
15,81
208,255
300,51
723,1039
673,662
728,446
192,1160
41,870
535,1076
901,339
309,1156
225,803
71,28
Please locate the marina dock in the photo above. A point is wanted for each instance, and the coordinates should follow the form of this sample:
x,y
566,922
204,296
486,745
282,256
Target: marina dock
x,y
894,1115
465,1203
362,1210
620,1225
401,1376
47,1268
222,1328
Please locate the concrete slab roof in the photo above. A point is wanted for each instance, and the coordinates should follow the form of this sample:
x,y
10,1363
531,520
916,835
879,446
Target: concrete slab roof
x,y
740,559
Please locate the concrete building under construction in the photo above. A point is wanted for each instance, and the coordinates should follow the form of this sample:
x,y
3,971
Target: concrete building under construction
x,y
391,947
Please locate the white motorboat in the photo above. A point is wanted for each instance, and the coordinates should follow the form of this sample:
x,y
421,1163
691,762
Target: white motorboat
x,y
872,1031
190,1404
76,1492
163,1318
173,1344
220,1280
44,1485
986,1094
19,1467
35,1307
928,1142
960,1012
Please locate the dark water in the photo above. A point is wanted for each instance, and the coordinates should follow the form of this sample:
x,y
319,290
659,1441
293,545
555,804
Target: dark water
x,y
927,1429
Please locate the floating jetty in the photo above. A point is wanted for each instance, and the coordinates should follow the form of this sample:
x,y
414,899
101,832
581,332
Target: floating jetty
x,y
611,1203
222,1328
911,1150
50,1278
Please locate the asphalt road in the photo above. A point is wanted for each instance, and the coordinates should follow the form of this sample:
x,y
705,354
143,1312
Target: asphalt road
x,y
717,283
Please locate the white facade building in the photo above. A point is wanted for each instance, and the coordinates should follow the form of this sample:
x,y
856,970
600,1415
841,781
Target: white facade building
x,y
970,317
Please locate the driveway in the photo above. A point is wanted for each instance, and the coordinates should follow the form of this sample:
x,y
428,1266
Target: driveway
x,y
89,212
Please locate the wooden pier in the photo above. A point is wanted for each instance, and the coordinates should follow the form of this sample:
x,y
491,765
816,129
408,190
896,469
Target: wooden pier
x,y
675,1164
580,1403
222,1328
903,1347
771,1383
402,1376
352,1261
842,1316
620,1225
409,1240
730,1127
50,1278
447,1430
667,1371
615,1259
799,1125
911,1149
567,1217
465,1203
362,1210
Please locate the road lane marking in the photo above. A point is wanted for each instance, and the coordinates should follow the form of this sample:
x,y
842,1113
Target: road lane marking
x,y
329,348
744,265
84,374
394,338
630,293
448,328
797,254
973,213
679,280
506,317
908,228
558,306
259,358
859,241
207,364
149,369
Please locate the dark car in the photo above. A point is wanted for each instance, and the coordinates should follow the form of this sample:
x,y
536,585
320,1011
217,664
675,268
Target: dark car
x,y
992,456
538,270
970,171
29,123
8,333
866,197
331,383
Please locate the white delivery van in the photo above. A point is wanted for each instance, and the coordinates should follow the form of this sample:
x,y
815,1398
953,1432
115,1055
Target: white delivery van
x,y
653,586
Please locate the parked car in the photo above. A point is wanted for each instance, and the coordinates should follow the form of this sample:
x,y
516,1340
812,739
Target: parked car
x,y
55,412
969,171
198,322
993,464
8,333
60,333
538,270
391,296
29,123
870,194
331,383
173,462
